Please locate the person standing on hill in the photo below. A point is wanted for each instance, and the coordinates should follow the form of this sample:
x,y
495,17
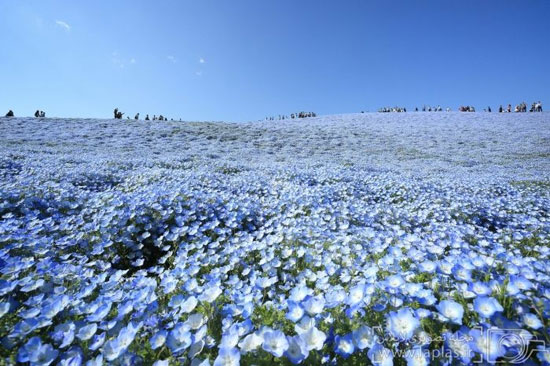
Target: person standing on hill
x,y
136,117
10,114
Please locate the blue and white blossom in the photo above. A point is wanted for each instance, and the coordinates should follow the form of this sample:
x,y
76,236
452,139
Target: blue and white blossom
x,y
328,240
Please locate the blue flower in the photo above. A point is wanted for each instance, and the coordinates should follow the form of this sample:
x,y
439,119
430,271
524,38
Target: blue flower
x,y
161,363
57,305
87,332
394,282
488,343
100,313
402,324
486,306
313,338
275,342
459,344
461,273
451,310
31,347
158,339
313,305
44,356
479,288
127,334
64,334
251,342
73,357
356,295
97,341
297,350
344,345
417,357
543,354
179,338
364,337
299,293
380,356
112,349
4,308
532,321
295,311
228,357
210,293
97,361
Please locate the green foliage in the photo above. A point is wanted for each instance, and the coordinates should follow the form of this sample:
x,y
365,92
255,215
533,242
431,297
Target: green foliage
x,y
528,246
382,274
266,315
470,318
406,264
540,184
422,277
505,300
7,322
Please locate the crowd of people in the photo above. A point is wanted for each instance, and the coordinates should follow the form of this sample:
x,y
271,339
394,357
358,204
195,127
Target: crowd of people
x,y
432,109
403,109
392,109
522,107
118,115
282,117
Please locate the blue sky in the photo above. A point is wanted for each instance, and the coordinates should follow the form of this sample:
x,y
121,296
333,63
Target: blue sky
x,y
244,60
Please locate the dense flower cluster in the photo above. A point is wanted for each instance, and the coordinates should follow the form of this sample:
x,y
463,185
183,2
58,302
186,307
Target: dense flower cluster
x,y
178,257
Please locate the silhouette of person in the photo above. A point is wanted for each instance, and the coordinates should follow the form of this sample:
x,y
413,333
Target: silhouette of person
x,y
147,117
37,113
137,116
10,114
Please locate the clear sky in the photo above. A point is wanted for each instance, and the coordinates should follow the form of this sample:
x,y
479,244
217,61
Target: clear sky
x,y
244,60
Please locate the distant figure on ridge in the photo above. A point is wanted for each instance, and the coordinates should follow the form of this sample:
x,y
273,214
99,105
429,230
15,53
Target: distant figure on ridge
x,y
489,109
37,113
10,114
137,116
118,114
147,117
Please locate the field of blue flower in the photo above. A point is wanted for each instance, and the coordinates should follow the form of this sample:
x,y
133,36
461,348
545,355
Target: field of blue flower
x,y
402,239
